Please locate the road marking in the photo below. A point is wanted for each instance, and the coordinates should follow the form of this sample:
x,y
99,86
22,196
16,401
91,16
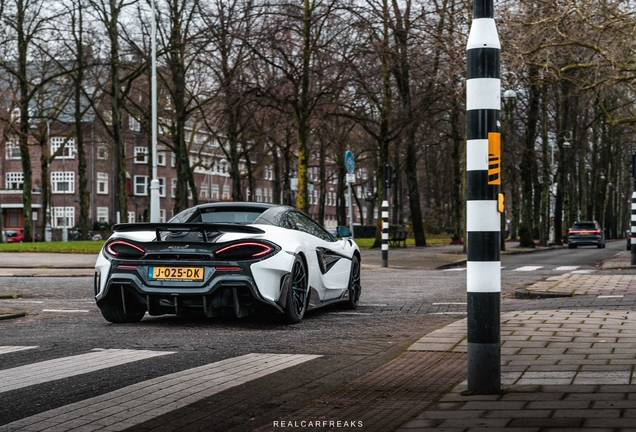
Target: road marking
x,y
135,404
51,370
455,269
351,313
448,313
455,303
23,301
65,310
528,268
567,268
610,296
583,271
10,349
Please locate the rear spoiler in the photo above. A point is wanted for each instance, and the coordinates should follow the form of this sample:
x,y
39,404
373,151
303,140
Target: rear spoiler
x,y
202,228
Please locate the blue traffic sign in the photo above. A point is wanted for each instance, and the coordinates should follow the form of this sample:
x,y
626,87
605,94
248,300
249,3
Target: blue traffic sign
x,y
350,163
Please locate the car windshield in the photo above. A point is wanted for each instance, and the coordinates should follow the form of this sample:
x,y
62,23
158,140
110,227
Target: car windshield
x,y
584,225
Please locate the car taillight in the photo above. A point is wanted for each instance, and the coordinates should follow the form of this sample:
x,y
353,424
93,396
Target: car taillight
x,y
596,231
124,249
243,250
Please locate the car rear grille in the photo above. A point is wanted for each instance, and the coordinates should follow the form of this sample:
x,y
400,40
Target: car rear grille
x,y
178,257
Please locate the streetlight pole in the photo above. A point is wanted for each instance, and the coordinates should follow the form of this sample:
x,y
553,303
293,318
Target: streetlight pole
x,y
154,183
509,97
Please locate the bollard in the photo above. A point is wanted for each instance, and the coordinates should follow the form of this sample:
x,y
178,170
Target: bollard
x,y
385,233
483,264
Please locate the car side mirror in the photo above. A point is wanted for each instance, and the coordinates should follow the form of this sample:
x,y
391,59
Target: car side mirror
x,y
344,232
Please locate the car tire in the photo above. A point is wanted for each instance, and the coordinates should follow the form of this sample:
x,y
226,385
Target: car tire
x,y
297,295
116,315
629,246
571,246
354,288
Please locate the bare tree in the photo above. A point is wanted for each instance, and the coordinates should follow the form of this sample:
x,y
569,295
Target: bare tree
x,y
28,22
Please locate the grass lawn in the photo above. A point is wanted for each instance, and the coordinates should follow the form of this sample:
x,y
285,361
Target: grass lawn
x,y
88,246
431,240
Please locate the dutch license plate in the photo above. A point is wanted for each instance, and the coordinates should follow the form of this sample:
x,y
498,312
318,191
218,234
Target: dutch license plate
x,y
175,273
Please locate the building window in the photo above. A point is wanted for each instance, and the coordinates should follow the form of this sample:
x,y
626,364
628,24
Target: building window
x,y
270,170
102,214
63,182
141,185
102,152
131,217
173,188
259,195
133,124
204,191
161,158
69,147
14,180
13,150
63,217
107,116
102,183
141,155
162,215
226,192
162,186
215,192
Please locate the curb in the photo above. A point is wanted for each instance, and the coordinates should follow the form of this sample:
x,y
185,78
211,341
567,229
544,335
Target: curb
x,y
523,293
18,314
456,264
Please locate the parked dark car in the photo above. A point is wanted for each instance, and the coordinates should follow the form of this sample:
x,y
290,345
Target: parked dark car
x,y
586,233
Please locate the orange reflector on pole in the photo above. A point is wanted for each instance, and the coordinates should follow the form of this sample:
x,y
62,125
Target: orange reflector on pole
x,y
494,158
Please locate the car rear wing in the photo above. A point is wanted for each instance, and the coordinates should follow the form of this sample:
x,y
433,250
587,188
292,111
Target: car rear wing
x,y
179,228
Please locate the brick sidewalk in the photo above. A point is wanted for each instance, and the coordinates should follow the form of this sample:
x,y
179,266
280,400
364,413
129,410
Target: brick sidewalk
x,y
561,369
570,367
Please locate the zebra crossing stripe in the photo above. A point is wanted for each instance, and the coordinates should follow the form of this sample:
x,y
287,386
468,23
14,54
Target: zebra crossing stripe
x,y
10,349
135,404
528,268
51,370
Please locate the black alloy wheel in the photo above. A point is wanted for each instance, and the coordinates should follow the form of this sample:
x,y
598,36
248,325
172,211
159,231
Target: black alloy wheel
x,y
355,287
297,294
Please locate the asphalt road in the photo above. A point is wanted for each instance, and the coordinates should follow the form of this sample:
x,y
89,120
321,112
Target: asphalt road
x,y
398,306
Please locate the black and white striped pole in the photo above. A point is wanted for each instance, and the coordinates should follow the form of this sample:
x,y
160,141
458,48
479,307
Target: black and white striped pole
x,y
388,180
484,203
385,233
632,246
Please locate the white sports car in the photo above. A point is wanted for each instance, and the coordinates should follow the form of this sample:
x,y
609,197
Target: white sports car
x,y
217,258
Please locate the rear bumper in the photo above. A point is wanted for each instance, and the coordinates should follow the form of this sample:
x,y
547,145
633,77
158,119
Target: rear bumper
x,y
585,240
235,295
220,292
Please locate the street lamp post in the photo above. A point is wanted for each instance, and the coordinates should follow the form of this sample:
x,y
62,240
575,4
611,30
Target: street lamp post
x,y
509,96
154,183
553,185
